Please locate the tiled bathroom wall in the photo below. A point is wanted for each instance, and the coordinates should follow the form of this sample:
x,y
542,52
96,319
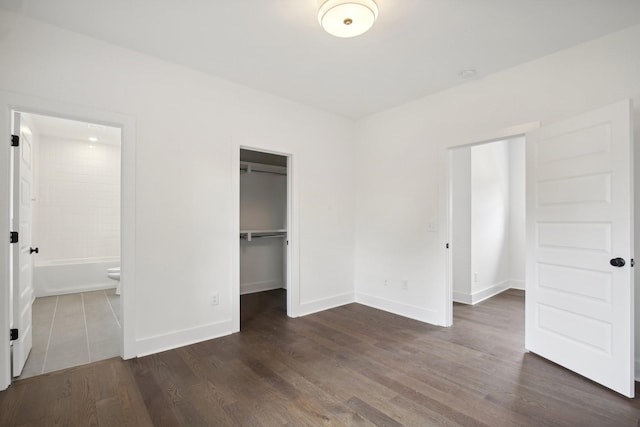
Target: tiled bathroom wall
x,y
77,200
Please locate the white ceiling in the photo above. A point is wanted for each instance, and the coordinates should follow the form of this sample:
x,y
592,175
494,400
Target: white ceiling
x,y
74,130
416,48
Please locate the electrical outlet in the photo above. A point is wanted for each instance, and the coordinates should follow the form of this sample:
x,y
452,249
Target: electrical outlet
x,y
215,299
386,282
405,284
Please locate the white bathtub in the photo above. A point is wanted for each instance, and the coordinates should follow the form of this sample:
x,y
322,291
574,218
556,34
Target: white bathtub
x,y
75,275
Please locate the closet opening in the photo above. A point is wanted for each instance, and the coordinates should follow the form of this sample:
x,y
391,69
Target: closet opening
x,y
264,234
487,220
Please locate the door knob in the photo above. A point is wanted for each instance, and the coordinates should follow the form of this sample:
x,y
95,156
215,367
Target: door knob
x,y
32,250
617,262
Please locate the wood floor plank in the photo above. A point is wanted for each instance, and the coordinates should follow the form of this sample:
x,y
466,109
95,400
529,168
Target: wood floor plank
x,y
109,412
465,412
425,416
241,415
319,405
39,396
83,402
372,414
129,396
58,412
11,403
349,366
157,405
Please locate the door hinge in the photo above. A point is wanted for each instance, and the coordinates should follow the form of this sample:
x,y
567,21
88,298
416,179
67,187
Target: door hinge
x,y
15,141
13,237
13,334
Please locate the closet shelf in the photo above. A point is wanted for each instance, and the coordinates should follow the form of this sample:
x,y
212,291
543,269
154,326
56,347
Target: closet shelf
x,y
249,235
249,167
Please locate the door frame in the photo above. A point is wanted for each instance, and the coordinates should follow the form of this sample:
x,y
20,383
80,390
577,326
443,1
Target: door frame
x,y
498,135
293,258
31,104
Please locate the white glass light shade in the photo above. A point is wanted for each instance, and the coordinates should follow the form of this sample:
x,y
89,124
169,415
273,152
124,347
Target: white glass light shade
x,y
347,18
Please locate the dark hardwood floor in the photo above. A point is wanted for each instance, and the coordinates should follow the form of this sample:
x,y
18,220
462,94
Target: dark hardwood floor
x,y
352,365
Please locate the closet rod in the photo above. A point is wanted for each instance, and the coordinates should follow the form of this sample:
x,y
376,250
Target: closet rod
x,y
255,171
269,236
249,236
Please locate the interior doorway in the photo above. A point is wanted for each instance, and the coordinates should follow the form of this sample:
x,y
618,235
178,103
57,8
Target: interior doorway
x,y
579,304
264,260
487,217
66,292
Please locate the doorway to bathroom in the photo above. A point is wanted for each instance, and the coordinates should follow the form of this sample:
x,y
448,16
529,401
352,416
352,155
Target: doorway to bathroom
x,y
67,184
264,234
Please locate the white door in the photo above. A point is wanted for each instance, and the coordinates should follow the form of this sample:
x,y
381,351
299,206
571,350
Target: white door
x,y
22,262
579,306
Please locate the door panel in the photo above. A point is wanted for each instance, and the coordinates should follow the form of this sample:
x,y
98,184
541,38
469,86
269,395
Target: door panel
x,y
22,261
579,308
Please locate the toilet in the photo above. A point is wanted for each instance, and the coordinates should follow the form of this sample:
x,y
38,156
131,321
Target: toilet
x,y
114,274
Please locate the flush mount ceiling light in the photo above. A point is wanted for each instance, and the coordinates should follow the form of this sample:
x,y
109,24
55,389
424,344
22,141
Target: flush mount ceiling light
x,y
347,18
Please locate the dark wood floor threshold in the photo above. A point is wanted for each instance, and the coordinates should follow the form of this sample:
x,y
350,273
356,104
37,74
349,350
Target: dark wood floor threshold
x,y
351,365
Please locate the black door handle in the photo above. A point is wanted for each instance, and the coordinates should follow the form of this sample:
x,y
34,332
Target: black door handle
x,y
32,250
617,262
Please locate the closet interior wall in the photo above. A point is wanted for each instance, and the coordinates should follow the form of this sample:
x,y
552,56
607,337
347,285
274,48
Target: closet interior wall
x,y
263,221
488,219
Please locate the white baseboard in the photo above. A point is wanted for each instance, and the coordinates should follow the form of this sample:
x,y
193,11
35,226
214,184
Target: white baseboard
x,y
516,284
400,308
324,304
482,294
268,285
462,297
158,343
111,284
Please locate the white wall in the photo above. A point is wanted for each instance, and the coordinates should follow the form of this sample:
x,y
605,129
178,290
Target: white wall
x,y
78,214
188,125
490,219
263,206
263,201
401,174
461,224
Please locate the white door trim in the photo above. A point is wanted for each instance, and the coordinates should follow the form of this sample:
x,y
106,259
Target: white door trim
x,y
498,135
32,104
293,256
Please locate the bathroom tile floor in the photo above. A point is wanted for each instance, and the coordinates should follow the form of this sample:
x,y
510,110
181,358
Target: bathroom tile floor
x,y
73,329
